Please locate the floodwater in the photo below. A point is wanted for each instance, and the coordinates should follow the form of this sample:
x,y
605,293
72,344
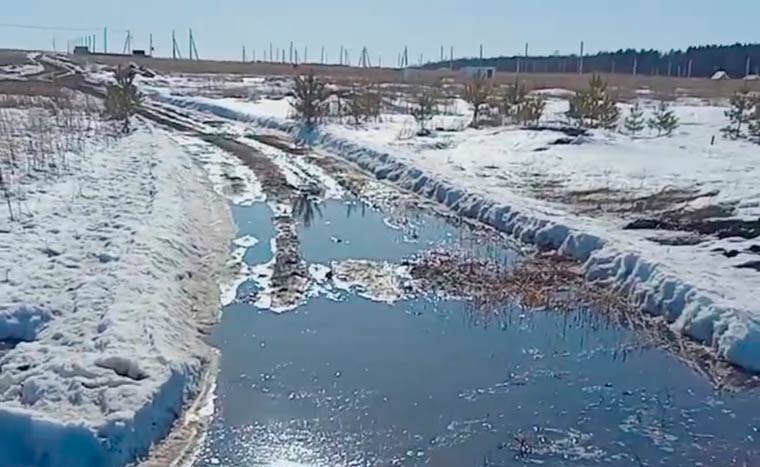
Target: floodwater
x,y
431,382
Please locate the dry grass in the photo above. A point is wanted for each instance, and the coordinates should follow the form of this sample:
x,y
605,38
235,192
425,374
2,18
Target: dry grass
x,y
554,282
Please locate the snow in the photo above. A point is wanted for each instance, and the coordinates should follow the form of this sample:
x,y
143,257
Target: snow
x,y
19,72
505,177
110,351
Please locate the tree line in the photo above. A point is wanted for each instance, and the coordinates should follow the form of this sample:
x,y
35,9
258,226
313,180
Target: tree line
x,y
737,60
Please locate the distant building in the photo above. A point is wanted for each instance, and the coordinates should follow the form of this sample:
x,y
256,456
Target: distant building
x,y
139,53
81,50
720,75
472,71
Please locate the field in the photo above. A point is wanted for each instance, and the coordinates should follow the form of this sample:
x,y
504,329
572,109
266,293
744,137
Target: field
x,y
626,86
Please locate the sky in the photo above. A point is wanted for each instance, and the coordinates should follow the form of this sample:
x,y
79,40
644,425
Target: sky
x,y
222,27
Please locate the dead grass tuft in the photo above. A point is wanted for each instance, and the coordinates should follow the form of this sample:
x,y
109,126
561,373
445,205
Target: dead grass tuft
x,y
548,281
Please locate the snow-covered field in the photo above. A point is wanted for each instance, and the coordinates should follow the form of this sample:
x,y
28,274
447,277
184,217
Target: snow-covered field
x,y
107,283
541,190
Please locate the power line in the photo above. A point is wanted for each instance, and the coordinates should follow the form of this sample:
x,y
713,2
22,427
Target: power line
x,y
50,28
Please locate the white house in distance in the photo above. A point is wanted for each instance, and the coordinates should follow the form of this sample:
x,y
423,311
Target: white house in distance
x,y
472,71
720,75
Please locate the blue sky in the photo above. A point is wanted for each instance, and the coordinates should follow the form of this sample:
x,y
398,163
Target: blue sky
x,y
222,27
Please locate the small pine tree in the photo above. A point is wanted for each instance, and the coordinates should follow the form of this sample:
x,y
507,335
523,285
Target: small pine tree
x,y
310,100
634,123
663,120
740,113
513,100
122,98
754,125
594,107
518,107
531,110
424,108
476,93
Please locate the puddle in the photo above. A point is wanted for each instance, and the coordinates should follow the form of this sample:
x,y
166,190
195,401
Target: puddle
x,y
427,382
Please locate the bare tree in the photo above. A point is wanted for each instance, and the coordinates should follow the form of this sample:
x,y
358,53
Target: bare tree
x,y
363,103
310,99
476,93
122,98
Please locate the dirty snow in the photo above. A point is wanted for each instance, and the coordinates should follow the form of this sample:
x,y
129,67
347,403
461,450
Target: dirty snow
x,y
496,175
107,285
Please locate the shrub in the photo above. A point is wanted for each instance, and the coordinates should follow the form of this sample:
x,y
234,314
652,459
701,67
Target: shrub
x,y
122,98
364,103
594,107
740,113
663,120
476,93
310,99
634,123
424,108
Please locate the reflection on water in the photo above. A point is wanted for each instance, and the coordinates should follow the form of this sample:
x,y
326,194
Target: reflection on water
x,y
437,383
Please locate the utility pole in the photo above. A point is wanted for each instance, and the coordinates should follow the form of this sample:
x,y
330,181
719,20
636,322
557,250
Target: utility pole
x,y
635,64
441,53
364,60
451,58
580,60
175,49
691,62
305,54
151,48
481,54
244,54
271,57
748,69
322,59
291,51
340,62
105,40
128,44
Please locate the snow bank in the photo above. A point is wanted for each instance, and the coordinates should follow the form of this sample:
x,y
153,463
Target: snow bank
x,y
701,304
111,350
